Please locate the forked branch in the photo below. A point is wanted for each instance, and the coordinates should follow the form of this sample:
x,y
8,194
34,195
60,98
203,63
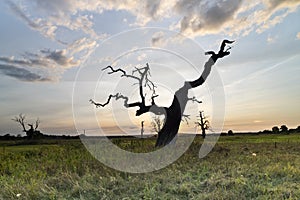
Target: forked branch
x,y
143,81
208,65
21,120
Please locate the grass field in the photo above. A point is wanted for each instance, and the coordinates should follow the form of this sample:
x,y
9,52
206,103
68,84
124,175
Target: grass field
x,y
239,167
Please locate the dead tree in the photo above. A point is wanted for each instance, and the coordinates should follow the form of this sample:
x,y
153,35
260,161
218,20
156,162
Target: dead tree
x,y
173,113
157,124
31,132
203,123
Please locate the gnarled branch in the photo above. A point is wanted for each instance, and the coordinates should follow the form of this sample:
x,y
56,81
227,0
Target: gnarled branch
x,y
208,65
116,96
143,81
152,99
120,70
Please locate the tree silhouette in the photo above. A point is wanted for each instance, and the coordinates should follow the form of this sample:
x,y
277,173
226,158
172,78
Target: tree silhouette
x,y
275,129
174,113
31,132
157,123
284,129
230,132
203,123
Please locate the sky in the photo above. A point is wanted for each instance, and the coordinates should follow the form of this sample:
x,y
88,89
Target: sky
x,y
52,53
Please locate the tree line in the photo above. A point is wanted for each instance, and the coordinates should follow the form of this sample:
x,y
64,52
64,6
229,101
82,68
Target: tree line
x,y
283,129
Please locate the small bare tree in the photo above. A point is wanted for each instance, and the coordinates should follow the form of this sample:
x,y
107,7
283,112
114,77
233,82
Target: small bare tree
x,y
157,124
203,123
31,132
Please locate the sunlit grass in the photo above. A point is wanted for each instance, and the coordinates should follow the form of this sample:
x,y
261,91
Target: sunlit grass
x,y
65,170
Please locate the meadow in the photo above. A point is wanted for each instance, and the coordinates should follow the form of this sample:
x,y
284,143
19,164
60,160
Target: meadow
x,y
239,167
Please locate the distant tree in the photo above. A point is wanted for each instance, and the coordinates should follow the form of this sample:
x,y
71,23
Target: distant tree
x,y
230,132
203,123
157,123
298,129
223,134
7,136
284,129
275,129
291,130
32,132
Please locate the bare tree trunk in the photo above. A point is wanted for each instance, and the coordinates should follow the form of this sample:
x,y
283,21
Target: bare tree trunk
x,y
175,112
173,117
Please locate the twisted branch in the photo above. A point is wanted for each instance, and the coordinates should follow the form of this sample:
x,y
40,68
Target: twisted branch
x,y
194,100
122,71
208,65
152,98
143,81
116,96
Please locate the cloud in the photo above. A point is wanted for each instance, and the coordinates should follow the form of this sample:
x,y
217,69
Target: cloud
x,y
21,74
59,57
28,59
44,58
236,17
83,46
192,18
233,17
18,11
200,17
46,29
47,17
51,63
158,39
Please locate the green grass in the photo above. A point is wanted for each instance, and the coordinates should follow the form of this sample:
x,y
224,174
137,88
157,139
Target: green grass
x,y
65,170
